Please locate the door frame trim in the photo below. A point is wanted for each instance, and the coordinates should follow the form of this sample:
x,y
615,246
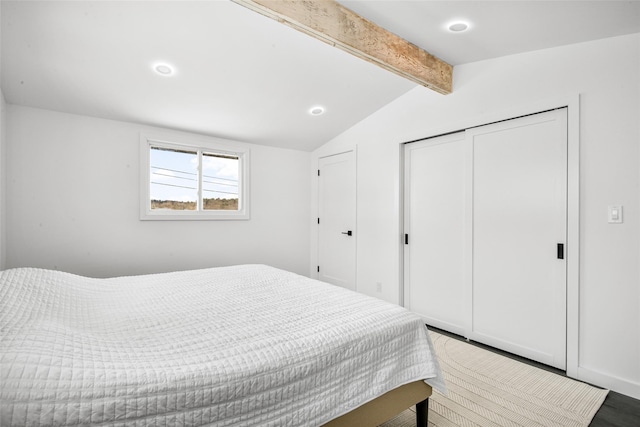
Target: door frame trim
x,y
572,253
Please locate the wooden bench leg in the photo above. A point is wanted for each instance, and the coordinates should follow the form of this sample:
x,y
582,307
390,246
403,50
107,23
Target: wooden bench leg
x,y
422,413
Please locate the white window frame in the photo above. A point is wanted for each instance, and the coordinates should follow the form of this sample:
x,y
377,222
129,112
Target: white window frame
x,y
184,143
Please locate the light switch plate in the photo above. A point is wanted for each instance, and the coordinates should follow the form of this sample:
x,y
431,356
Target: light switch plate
x,y
615,214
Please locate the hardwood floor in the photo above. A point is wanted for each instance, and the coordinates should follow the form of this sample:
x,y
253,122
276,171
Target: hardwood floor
x,y
617,410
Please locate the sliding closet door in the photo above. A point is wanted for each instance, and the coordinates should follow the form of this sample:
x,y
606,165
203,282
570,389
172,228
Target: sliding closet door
x,y
485,222
519,233
434,226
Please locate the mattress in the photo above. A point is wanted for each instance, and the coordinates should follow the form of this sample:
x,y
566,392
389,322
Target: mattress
x,y
240,345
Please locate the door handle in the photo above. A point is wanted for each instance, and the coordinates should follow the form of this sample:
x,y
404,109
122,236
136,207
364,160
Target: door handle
x,y
348,233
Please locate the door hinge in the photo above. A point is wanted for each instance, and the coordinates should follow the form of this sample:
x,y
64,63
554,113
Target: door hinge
x,y
318,269
318,172
560,250
406,239
318,220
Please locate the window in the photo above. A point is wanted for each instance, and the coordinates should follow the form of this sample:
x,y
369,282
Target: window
x,y
193,180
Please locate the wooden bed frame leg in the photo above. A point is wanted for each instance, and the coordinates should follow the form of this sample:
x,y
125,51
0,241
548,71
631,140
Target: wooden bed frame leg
x,y
422,413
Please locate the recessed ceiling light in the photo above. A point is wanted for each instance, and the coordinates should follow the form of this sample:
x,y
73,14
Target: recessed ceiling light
x,y
458,27
163,69
316,111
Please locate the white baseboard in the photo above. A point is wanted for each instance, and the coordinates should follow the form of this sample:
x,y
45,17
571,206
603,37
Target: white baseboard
x,y
619,385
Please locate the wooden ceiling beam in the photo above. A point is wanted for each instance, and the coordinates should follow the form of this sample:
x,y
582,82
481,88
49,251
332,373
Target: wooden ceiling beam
x,y
329,21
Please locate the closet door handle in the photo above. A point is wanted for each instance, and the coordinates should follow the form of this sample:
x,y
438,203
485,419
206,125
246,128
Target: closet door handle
x,y
348,233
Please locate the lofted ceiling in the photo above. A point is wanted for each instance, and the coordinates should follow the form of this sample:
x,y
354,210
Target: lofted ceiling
x,y
242,76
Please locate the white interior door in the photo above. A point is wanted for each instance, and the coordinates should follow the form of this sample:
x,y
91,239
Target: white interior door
x,y
337,220
435,231
519,219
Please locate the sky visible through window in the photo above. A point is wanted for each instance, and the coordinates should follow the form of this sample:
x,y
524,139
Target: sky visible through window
x,y
174,176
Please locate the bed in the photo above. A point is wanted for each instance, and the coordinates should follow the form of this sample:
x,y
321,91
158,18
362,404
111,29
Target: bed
x,y
230,346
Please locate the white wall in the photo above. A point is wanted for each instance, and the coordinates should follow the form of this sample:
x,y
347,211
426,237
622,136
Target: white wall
x,y
72,204
606,76
2,173
3,127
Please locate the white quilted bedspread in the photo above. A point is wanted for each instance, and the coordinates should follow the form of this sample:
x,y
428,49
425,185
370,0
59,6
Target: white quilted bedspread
x,y
245,345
